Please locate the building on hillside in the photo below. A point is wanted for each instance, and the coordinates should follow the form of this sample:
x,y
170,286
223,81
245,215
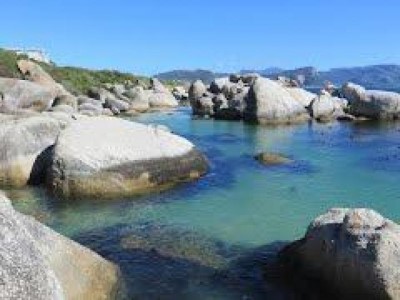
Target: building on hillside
x,y
38,55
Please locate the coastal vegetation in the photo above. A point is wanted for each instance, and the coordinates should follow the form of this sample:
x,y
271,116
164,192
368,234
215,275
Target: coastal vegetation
x,y
76,80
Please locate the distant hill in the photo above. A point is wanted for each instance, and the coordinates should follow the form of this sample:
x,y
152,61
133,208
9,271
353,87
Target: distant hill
x,y
264,72
386,77
190,75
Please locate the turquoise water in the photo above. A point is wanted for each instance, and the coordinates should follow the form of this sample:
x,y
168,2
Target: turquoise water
x,y
210,239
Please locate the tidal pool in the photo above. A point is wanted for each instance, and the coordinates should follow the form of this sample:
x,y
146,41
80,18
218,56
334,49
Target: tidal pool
x,y
210,239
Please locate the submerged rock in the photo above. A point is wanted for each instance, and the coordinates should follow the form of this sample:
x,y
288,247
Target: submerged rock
x,y
37,263
354,253
107,158
271,159
270,103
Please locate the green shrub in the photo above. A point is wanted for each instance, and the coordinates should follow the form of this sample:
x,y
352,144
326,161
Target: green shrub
x,y
76,80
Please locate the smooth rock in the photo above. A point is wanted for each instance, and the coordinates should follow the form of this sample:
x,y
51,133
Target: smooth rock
x,y
84,99
269,103
107,158
139,98
196,90
21,94
380,105
38,263
354,253
302,96
162,100
325,107
272,159
161,96
91,107
35,73
63,108
116,104
24,149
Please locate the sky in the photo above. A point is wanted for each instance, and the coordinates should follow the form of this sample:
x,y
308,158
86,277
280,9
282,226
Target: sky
x,y
147,37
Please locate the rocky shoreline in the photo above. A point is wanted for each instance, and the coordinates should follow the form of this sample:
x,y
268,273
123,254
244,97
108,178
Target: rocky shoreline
x,y
256,99
72,146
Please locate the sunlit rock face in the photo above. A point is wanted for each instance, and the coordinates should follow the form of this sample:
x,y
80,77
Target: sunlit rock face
x,y
24,145
18,94
38,263
352,252
270,103
108,158
379,105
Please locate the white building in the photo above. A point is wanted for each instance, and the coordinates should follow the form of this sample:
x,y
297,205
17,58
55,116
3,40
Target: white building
x,y
34,54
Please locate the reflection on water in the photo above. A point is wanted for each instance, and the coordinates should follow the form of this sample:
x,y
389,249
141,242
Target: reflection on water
x,y
212,239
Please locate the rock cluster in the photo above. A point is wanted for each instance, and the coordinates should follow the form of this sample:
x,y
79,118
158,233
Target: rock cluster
x,y
38,263
354,253
40,92
93,157
253,98
260,100
113,99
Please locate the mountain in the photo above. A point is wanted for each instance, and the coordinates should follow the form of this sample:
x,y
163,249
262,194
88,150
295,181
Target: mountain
x,y
264,72
190,75
385,77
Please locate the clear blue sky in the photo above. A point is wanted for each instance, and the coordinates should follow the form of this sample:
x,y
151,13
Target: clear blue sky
x,y
225,35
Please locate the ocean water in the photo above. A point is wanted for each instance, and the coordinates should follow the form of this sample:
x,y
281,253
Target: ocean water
x,y
214,238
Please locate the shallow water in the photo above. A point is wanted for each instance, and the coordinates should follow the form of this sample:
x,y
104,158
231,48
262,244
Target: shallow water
x,y
210,239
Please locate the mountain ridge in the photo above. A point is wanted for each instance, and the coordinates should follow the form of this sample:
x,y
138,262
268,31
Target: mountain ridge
x,y
378,76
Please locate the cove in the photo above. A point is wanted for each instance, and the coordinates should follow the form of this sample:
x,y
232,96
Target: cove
x,y
210,239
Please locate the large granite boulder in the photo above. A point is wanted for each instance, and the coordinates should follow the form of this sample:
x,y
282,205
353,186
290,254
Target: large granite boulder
x,y
161,96
139,98
116,104
301,95
354,253
199,99
106,158
380,105
270,103
24,148
197,90
38,263
35,73
21,94
162,100
325,107
218,84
